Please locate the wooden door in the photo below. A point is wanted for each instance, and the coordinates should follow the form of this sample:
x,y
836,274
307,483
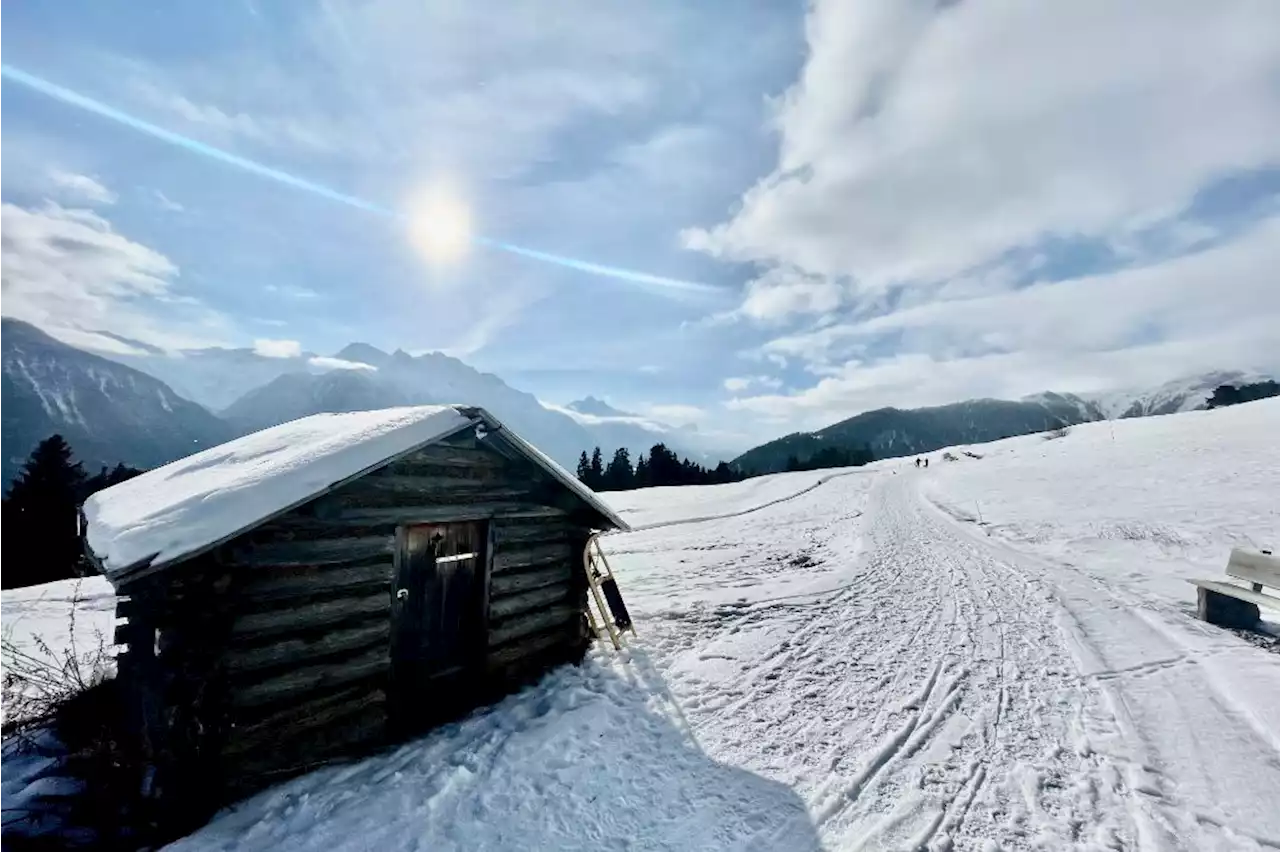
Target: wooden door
x,y
438,618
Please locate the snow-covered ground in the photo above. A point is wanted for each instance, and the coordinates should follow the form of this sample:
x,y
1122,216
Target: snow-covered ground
x,y
668,505
865,665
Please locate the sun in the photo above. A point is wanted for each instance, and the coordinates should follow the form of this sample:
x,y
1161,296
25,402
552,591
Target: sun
x,y
440,224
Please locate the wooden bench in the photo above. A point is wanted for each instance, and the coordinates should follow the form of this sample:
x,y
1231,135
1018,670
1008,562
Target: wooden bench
x,y
1232,605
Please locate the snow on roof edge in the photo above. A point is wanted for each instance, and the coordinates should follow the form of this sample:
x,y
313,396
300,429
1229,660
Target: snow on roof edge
x,y
117,549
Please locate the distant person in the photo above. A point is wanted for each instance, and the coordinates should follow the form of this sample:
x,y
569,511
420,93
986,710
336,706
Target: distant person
x,y
917,461
926,462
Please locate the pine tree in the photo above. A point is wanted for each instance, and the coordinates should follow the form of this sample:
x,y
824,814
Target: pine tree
x,y
41,517
597,470
619,475
641,478
584,468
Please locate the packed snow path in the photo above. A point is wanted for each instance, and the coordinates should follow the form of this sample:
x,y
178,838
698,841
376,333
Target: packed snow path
x,y
862,665
953,691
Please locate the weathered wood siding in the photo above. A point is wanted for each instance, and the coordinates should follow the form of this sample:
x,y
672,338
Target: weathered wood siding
x,y
295,617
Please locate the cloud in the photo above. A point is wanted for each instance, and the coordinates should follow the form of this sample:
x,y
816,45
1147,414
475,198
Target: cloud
x,y
268,348
325,362
1127,328
81,187
737,384
675,413
925,139
291,291
69,272
167,203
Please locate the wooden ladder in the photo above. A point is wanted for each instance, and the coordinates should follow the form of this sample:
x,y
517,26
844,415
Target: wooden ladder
x,y
609,609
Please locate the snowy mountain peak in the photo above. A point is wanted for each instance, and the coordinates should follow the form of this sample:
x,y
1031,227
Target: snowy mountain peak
x,y
1185,394
597,407
363,353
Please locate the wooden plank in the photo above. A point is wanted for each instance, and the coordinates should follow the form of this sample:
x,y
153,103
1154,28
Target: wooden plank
x,y
535,622
515,604
295,650
311,551
311,615
1255,567
304,680
511,559
1238,592
514,583
278,583
314,713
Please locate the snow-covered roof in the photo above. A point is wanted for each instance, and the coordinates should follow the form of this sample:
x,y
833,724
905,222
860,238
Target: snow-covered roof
x,y
198,502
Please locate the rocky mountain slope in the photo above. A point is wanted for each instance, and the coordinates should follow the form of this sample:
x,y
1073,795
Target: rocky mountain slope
x,y
108,412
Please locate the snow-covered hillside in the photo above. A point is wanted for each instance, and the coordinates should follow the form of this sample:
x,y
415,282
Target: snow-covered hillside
x,y
1185,394
990,654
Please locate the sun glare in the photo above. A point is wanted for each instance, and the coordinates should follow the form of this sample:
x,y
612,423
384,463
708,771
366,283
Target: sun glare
x,y
440,224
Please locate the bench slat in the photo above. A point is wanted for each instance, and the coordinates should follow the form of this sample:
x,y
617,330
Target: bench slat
x,y
1238,592
1254,567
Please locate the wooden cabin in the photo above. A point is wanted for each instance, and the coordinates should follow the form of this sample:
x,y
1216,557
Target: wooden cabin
x,y
330,585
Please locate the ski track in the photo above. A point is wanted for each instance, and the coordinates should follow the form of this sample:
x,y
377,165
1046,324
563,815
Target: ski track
x,y
945,691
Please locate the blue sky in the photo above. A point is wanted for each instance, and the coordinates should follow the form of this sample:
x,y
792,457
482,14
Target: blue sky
x,y
891,203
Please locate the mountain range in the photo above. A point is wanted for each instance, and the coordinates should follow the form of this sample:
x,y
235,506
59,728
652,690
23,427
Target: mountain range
x,y
893,432
107,411
150,408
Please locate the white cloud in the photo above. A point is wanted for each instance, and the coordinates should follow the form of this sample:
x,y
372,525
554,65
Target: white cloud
x,y
324,362
675,413
81,187
68,271
737,384
924,139
269,348
167,203
1133,327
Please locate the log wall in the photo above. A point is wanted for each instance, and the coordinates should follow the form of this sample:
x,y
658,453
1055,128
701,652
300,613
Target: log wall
x,y
286,630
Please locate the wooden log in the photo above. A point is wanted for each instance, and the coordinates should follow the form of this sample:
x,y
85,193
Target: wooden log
x,y
311,551
500,658
294,684
294,650
445,455
311,615
310,748
512,605
426,514
514,583
533,531
377,492
535,622
314,713
278,583
511,559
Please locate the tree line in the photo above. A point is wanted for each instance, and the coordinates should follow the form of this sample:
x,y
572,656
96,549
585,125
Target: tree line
x,y
41,514
660,466
832,457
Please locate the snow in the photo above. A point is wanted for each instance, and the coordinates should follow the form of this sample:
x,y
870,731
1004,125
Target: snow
x,y
990,654
666,505
187,505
